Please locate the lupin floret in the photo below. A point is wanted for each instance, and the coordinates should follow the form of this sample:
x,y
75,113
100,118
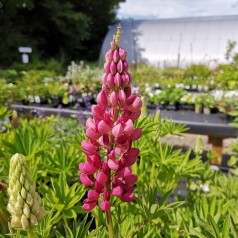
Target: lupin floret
x,y
24,202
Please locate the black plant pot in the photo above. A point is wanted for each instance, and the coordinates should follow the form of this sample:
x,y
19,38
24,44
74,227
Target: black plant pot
x,y
229,118
151,105
173,107
25,102
187,107
214,110
43,100
56,101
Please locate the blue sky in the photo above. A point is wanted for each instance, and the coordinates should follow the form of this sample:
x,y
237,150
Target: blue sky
x,y
154,9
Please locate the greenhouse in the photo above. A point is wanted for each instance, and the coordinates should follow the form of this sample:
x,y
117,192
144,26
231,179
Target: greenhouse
x,y
176,42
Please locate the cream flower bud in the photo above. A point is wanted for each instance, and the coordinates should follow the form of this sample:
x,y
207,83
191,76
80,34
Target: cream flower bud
x,y
24,202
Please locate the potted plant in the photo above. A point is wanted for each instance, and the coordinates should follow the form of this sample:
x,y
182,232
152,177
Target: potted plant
x,y
187,102
208,103
198,103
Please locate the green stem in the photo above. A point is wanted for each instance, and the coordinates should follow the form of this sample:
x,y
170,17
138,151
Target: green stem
x,y
30,233
109,223
3,219
139,229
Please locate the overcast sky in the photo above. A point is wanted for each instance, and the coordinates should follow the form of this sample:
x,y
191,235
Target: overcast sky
x,y
154,9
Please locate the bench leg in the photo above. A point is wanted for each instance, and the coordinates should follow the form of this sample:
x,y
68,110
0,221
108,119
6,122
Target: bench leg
x,y
217,143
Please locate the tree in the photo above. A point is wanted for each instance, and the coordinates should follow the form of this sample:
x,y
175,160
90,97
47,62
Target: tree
x,y
64,29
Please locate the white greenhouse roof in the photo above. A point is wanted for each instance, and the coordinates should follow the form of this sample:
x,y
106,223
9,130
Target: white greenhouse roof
x,y
176,42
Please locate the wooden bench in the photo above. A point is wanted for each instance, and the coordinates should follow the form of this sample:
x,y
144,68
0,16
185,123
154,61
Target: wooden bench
x,y
217,130
214,126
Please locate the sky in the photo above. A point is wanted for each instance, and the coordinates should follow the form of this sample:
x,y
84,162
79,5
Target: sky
x,y
155,9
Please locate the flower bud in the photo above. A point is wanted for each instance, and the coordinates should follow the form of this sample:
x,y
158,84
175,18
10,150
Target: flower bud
x,y
104,79
107,67
88,147
125,79
93,195
113,99
119,66
129,127
90,124
117,130
127,91
98,111
109,56
116,56
101,177
113,44
136,134
117,80
103,127
87,168
113,164
92,134
127,197
110,81
113,68
122,53
84,178
117,191
102,99
121,97
105,205
87,205
125,66
24,202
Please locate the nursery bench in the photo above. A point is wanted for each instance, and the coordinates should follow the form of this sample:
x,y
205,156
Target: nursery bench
x,y
214,126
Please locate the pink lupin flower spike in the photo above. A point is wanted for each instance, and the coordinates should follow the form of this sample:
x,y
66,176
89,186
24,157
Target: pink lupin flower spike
x,y
107,171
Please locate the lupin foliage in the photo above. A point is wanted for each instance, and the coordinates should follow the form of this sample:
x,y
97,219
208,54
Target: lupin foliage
x,y
176,196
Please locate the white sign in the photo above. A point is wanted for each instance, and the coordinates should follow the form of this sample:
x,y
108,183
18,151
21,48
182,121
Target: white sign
x,y
25,49
25,58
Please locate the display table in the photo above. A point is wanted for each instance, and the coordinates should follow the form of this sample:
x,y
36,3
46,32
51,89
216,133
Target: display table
x,y
215,126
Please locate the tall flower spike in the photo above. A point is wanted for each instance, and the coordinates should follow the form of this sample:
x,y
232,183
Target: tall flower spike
x,y
24,202
111,133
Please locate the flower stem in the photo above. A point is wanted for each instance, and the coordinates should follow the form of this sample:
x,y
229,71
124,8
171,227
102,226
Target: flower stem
x,y
109,223
30,233
3,219
139,229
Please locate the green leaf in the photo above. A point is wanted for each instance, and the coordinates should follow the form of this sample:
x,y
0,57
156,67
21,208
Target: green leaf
x,y
196,233
204,206
214,226
212,206
226,227
164,198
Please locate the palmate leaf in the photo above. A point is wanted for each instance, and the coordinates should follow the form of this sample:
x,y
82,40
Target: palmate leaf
x,y
151,209
173,128
147,124
63,159
4,113
189,167
62,198
30,140
81,229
